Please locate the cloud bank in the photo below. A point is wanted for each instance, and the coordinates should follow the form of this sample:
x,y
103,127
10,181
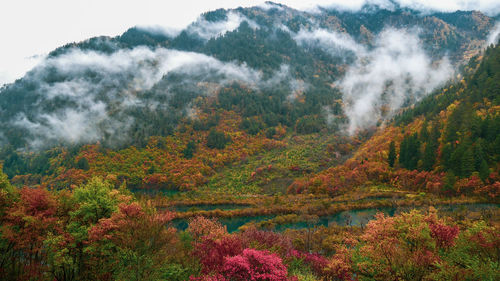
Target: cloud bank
x,y
396,71
382,79
489,7
494,35
94,92
335,43
209,29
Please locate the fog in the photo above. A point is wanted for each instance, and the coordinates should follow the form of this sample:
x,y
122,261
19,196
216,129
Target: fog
x,y
98,89
381,79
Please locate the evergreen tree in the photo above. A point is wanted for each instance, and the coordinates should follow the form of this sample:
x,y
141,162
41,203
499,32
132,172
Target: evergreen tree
x,y
429,157
449,182
83,164
403,152
484,170
188,152
424,132
270,132
467,163
455,161
446,153
217,139
479,156
454,124
391,158
409,152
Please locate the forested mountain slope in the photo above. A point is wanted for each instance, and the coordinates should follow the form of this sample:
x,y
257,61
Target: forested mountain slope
x,y
448,143
269,68
259,143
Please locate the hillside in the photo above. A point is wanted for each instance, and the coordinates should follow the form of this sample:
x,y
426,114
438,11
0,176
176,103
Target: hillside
x,y
274,67
261,143
448,143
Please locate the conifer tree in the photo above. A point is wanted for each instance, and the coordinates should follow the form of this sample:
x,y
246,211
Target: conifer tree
x,y
467,163
391,159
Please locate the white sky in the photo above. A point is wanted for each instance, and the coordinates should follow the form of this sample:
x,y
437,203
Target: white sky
x,y
35,27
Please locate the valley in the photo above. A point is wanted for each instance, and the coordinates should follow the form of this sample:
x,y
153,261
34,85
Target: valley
x,y
259,143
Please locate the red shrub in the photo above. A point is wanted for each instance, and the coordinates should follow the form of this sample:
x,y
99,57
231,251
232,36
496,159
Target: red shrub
x,y
444,235
317,262
212,253
255,265
266,240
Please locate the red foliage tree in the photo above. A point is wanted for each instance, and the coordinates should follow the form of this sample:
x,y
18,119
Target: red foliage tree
x,y
444,235
26,225
339,266
213,252
138,238
201,227
317,262
259,239
255,265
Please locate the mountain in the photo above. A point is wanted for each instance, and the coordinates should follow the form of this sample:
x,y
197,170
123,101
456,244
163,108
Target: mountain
x,y
135,82
270,67
259,143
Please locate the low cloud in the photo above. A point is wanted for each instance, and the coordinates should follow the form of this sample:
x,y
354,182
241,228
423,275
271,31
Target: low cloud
x,y
209,29
334,43
396,71
490,7
494,35
382,79
266,6
161,30
95,91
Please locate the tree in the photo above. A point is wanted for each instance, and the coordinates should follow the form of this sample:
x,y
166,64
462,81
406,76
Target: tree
x,y
188,152
476,250
255,265
4,182
403,247
270,132
83,164
94,201
205,228
449,182
7,193
217,139
484,170
446,153
391,158
431,146
429,157
467,163
212,253
409,152
136,239
309,124
424,132
25,226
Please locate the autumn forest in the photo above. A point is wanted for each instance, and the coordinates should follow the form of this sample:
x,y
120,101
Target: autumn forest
x,y
261,143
